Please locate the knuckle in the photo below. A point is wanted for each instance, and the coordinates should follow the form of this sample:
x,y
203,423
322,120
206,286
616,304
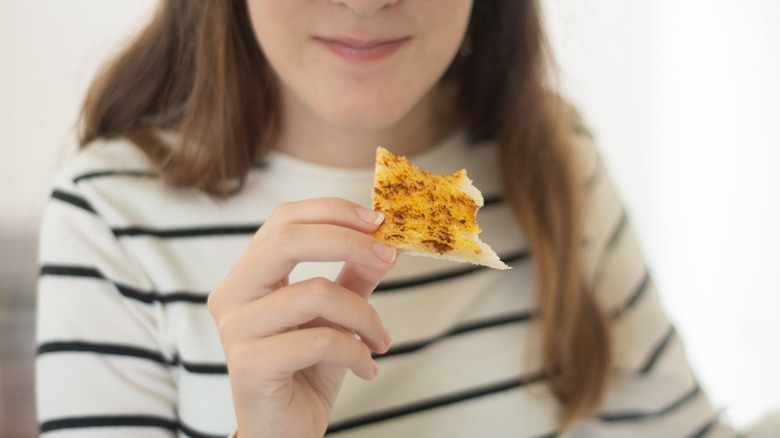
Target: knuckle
x,y
284,232
330,205
324,340
320,290
282,210
334,206
281,236
353,240
213,301
240,359
278,216
225,324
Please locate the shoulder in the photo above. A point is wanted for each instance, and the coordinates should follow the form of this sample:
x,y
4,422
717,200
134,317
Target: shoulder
x,y
105,158
78,222
115,180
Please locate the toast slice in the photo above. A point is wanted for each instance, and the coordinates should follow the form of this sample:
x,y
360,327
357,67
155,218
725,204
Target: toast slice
x,y
429,215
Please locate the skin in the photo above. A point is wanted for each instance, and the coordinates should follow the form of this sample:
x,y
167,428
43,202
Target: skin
x,y
336,112
345,108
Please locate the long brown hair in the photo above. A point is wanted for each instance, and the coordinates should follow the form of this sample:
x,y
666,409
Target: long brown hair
x,y
197,69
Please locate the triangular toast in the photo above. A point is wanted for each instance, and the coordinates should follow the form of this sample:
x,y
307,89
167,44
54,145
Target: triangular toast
x,y
427,214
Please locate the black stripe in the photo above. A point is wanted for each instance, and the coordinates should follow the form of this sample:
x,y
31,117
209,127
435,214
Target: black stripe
x,y
433,403
109,421
617,233
595,175
634,298
614,238
201,368
149,297
127,291
659,349
457,330
128,351
637,415
178,233
72,199
493,200
103,348
71,271
704,429
111,173
386,286
183,297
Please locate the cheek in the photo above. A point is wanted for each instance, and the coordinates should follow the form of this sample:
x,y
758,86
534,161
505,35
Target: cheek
x,y
446,22
274,24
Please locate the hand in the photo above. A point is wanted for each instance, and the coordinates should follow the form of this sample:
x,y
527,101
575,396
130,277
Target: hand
x,y
288,346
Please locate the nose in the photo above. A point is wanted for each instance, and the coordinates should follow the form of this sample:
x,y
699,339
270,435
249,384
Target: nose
x,y
366,7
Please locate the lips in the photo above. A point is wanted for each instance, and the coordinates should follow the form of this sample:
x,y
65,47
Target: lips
x,y
355,50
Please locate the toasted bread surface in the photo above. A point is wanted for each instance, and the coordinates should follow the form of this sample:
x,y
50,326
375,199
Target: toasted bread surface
x,y
427,214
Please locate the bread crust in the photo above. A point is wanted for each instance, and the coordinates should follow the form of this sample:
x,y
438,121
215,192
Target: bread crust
x,y
429,215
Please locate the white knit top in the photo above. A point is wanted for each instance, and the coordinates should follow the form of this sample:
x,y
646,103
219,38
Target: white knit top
x,y
127,346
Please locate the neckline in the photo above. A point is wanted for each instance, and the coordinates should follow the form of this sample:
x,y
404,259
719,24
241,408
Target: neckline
x,y
430,159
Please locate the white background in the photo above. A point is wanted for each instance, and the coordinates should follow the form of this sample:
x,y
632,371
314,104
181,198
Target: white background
x,y
682,95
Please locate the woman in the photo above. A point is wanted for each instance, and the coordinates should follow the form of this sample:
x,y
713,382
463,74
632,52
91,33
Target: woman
x,y
232,143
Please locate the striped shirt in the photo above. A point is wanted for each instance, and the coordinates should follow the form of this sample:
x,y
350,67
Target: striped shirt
x,y
127,346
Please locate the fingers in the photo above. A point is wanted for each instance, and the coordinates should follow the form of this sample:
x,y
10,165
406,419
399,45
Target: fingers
x,y
286,342
295,243
268,262
327,229
300,349
324,229
296,305
335,211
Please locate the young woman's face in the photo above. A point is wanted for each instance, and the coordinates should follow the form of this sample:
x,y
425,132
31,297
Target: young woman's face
x,y
358,64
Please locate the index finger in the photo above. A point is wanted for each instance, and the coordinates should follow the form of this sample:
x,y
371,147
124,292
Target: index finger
x,y
334,211
325,229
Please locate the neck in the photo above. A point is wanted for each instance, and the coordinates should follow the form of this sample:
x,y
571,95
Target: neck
x,y
428,123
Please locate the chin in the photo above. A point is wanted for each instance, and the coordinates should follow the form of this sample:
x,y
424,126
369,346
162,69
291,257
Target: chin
x,y
367,123
371,115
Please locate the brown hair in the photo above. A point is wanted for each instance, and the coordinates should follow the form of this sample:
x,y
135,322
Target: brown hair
x,y
197,69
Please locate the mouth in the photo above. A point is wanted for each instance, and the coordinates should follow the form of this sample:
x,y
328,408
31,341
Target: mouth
x,y
356,50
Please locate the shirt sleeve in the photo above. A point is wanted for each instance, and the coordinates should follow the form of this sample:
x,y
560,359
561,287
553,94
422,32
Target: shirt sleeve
x,y
653,391
102,365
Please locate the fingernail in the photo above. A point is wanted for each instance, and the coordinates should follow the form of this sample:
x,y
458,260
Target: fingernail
x,y
371,216
388,337
384,252
376,368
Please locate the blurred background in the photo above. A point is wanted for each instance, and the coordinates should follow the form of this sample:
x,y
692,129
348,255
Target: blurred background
x,y
683,97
